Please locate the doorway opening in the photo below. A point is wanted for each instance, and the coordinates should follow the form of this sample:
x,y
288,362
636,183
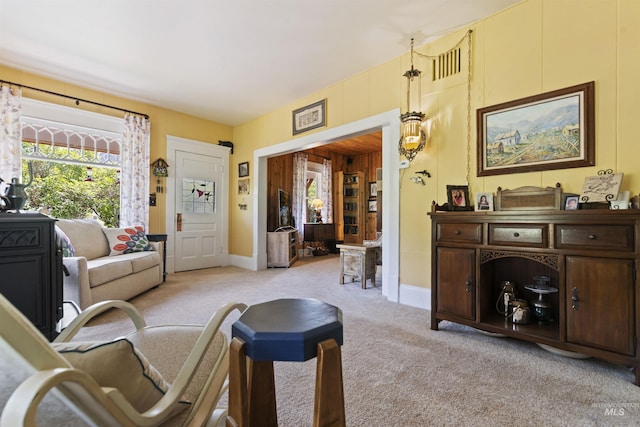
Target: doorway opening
x,y
389,124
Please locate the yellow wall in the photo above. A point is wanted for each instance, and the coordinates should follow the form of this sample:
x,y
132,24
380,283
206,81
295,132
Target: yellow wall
x,y
533,47
163,122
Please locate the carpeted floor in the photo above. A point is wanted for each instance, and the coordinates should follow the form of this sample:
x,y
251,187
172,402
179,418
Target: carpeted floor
x,y
397,371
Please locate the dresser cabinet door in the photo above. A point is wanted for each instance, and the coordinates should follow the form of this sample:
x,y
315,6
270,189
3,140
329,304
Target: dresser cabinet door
x,y
456,282
600,298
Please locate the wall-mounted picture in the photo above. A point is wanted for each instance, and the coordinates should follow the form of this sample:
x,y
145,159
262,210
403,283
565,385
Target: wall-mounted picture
x,y
603,187
373,190
373,206
571,203
484,202
243,186
552,130
458,197
243,169
310,117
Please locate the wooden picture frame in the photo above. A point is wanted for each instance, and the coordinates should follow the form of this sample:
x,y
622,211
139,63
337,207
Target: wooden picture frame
x,y
243,186
373,205
373,189
309,117
552,130
243,169
458,197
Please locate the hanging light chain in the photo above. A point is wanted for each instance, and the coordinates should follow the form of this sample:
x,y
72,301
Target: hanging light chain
x,y
457,45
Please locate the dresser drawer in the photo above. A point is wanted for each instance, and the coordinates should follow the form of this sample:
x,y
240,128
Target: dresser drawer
x,y
532,235
468,233
605,237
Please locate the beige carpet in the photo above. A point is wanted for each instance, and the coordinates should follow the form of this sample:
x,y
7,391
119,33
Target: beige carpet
x,y
397,372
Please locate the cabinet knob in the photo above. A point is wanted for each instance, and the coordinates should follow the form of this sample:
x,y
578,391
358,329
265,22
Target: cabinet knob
x,y
592,237
468,283
574,298
457,232
516,234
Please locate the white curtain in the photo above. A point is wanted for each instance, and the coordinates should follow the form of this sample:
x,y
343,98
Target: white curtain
x,y
299,203
10,132
134,181
327,191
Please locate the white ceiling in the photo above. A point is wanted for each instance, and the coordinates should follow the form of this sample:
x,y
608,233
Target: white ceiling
x,y
224,60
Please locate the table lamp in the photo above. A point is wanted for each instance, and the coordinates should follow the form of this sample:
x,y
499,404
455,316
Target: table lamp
x,y
317,204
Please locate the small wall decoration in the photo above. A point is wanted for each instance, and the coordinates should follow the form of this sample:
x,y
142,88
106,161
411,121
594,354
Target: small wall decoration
x,y
458,197
373,206
552,130
243,169
484,202
198,196
373,190
243,186
603,187
310,117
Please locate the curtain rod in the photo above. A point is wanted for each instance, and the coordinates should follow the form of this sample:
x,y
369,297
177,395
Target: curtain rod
x,y
78,100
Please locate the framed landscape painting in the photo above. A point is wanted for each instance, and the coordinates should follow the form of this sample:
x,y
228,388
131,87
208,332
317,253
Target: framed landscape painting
x,y
552,130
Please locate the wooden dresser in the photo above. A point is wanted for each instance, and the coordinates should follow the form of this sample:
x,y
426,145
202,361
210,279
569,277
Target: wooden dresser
x,y
590,256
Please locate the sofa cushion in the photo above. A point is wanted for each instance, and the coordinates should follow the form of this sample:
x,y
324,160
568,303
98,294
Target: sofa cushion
x,y
86,236
126,240
143,260
107,269
120,365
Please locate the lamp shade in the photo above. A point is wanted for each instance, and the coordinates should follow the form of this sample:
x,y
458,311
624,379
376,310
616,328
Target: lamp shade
x,y
317,204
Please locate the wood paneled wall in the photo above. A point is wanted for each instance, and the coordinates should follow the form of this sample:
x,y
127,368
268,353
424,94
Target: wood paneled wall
x,y
280,176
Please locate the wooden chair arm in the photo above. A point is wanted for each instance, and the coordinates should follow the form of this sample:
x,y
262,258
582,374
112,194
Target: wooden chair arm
x,y
86,315
22,406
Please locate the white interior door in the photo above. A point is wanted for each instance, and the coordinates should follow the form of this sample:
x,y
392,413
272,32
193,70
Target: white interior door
x,y
199,190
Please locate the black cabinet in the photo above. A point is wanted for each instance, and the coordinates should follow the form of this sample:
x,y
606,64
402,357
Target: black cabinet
x,y
31,268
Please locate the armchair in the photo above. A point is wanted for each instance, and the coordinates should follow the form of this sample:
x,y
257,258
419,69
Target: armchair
x,y
188,364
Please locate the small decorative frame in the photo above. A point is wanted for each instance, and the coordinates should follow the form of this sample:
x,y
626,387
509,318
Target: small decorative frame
x,y
373,189
484,202
310,117
243,186
603,187
571,203
458,197
373,206
552,130
243,169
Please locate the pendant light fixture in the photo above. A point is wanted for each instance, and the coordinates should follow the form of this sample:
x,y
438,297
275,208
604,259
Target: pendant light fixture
x,y
412,136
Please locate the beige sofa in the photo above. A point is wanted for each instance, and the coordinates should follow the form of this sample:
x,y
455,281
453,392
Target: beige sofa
x,y
96,272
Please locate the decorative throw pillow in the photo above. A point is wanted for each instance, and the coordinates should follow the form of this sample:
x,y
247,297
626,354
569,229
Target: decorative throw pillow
x,y
127,240
64,243
120,365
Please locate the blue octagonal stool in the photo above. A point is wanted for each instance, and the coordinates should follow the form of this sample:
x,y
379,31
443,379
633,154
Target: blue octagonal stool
x,y
293,330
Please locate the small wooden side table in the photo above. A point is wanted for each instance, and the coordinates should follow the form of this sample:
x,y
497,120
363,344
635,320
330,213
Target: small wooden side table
x,y
358,260
293,330
161,238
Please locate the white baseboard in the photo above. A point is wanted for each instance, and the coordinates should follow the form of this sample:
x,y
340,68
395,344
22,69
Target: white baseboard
x,y
415,296
245,262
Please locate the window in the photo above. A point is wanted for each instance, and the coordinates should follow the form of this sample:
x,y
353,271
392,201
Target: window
x,y
75,157
314,188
